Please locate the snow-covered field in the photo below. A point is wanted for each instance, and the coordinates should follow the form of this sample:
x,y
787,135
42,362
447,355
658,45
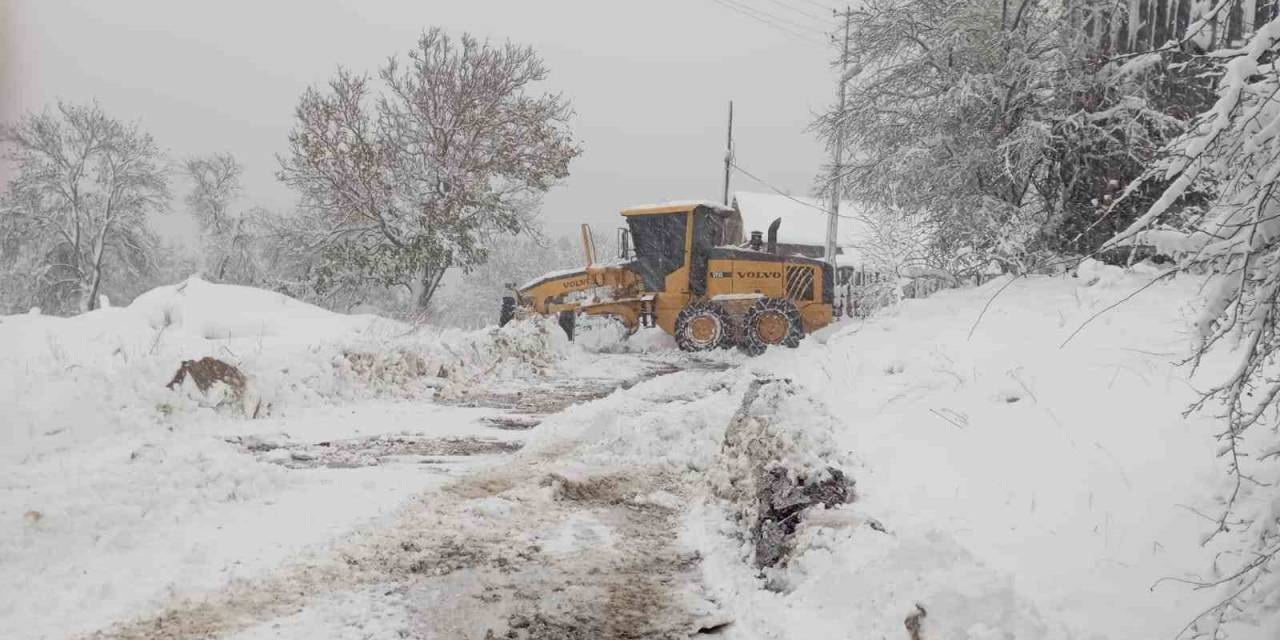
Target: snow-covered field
x,y
1006,486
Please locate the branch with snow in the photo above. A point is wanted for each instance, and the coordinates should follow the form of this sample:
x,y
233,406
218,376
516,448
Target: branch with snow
x,y
1233,152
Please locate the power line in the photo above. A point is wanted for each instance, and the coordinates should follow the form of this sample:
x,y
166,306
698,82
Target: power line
x,y
820,5
788,196
777,18
798,10
766,19
746,12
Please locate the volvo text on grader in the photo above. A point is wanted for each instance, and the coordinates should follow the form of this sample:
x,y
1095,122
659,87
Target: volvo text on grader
x,y
692,275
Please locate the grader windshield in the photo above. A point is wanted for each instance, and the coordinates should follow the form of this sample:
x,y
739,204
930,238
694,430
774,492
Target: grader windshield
x,y
659,240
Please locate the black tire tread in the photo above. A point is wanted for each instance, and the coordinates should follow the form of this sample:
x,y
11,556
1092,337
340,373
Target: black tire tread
x,y
751,342
697,308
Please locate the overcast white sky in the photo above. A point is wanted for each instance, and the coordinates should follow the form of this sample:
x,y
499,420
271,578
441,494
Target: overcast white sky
x,y
649,80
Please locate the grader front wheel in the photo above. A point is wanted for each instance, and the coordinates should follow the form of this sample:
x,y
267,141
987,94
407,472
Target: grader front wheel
x,y
508,311
771,321
568,321
702,326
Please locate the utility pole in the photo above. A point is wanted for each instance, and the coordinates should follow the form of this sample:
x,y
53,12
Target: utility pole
x,y
836,168
728,156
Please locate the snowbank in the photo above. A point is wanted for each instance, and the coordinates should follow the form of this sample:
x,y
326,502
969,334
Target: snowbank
x,y
1027,485
72,380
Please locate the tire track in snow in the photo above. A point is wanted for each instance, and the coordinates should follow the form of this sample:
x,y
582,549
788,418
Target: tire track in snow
x,y
474,560
637,583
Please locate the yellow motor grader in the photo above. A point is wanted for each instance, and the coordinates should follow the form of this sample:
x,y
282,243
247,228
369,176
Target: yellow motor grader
x,y
692,275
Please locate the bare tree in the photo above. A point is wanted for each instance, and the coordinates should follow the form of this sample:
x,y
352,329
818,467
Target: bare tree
x,y
215,185
83,186
408,182
230,240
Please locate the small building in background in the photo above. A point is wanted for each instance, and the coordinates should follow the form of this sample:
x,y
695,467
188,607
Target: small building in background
x,y
804,224
861,284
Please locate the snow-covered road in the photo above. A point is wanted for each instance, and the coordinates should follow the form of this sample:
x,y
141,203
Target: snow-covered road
x,y
368,537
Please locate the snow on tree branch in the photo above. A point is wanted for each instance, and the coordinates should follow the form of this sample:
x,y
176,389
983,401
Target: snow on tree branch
x,y
1232,152
412,173
83,187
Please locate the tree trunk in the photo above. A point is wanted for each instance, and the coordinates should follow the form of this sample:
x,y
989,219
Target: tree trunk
x,y
431,275
92,302
99,249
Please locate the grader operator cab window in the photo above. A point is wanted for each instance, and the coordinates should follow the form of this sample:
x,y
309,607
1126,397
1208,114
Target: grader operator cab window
x,y
659,242
709,230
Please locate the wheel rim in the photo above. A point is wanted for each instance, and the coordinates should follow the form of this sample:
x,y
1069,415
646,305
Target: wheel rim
x,y
771,327
703,329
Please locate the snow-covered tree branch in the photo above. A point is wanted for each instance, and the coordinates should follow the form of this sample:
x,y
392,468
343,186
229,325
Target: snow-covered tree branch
x,y
1232,152
1003,123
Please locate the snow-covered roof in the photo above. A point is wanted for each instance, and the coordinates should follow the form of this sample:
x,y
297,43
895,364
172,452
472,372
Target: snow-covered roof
x,y
804,220
675,204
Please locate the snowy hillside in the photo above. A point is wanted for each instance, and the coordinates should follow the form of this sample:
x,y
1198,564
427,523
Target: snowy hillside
x,y
1005,486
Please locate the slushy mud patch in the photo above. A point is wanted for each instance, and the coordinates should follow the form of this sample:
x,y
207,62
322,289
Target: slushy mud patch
x,y
553,396
629,582
403,554
513,422
371,451
518,564
603,488
542,399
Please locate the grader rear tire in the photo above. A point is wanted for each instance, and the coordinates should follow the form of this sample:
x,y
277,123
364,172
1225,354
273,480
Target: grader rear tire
x,y
702,326
771,321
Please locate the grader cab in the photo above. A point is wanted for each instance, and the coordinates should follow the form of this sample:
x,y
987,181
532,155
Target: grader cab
x,y
692,275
